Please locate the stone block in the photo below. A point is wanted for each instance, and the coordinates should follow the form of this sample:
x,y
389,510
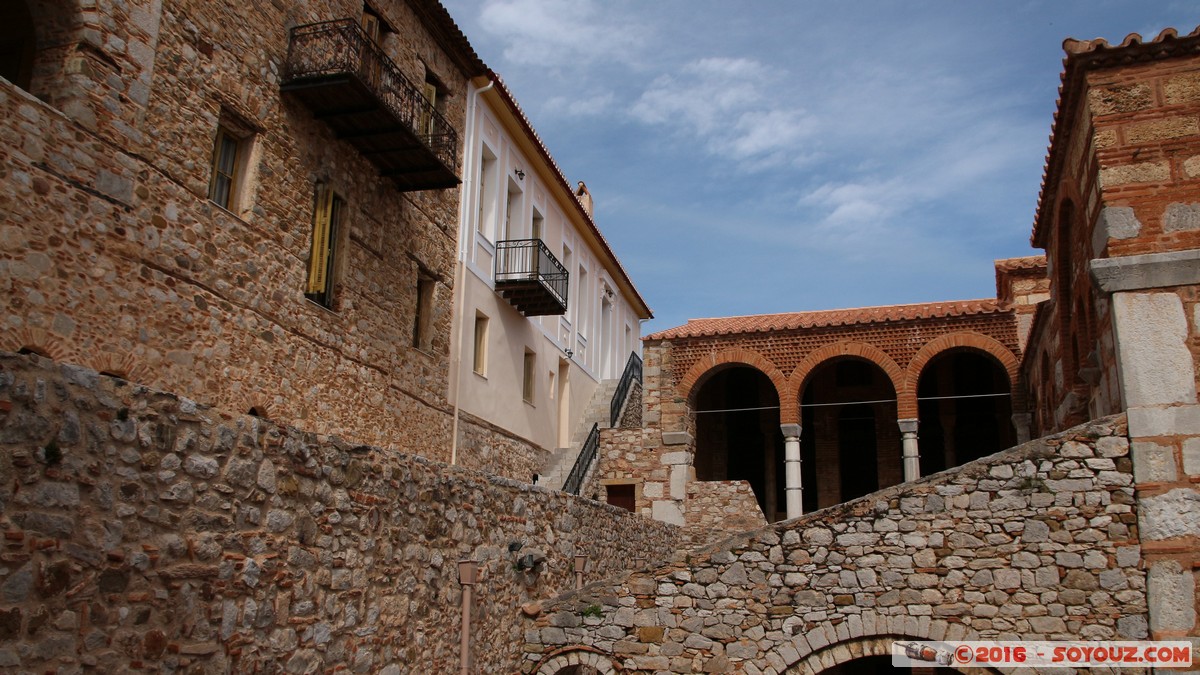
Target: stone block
x,y
1153,462
676,438
667,512
1172,595
1181,217
1115,222
1156,364
1173,514
1129,174
1191,456
1122,98
1164,421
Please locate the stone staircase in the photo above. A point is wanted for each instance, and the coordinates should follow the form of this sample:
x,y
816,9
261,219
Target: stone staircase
x,y
558,467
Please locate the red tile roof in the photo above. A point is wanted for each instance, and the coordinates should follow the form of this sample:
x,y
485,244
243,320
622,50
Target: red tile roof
x,y
761,323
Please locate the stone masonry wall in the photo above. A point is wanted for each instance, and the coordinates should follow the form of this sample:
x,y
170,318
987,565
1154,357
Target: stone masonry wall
x,y
143,531
1037,542
486,447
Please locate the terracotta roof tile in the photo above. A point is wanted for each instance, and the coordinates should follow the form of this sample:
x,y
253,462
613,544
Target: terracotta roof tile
x,y
760,323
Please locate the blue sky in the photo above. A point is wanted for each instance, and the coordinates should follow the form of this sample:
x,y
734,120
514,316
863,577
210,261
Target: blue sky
x,y
754,157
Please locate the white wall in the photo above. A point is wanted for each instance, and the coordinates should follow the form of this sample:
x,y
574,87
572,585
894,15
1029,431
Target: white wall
x,y
490,174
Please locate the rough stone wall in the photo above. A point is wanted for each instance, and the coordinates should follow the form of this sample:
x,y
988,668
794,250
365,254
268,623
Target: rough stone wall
x,y
488,448
716,509
1037,542
631,415
114,258
143,531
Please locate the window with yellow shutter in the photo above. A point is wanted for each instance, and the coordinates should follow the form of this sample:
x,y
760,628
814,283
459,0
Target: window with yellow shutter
x,y
322,262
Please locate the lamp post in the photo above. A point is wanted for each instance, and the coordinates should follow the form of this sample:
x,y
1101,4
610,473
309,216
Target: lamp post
x,y
468,571
580,564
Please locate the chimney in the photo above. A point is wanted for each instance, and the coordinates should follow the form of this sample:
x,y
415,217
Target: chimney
x,y
584,197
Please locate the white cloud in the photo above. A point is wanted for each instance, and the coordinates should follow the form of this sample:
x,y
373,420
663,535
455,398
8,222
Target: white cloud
x,y
732,106
600,103
542,32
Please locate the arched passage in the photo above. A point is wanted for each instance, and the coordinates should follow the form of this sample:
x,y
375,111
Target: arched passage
x,y
850,445
965,409
738,435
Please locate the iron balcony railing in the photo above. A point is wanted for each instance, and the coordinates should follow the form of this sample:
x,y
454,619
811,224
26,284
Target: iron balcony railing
x,y
342,47
527,267
583,462
633,371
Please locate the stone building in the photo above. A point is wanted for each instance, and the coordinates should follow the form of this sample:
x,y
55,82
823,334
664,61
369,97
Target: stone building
x,y
233,227
547,320
252,205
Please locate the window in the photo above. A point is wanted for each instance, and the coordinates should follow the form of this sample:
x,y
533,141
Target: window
x,y
539,224
488,180
322,262
479,364
17,47
527,376
230,162
423,322
224,169
434,103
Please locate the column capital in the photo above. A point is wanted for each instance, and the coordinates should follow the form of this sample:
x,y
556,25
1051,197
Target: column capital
x,y
790,430
908,426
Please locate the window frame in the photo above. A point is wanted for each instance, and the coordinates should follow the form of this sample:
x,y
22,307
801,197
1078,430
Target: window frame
x,y
479,357
328,224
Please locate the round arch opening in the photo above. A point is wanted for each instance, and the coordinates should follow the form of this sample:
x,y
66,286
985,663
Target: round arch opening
x,y
964,401
850,443
738,435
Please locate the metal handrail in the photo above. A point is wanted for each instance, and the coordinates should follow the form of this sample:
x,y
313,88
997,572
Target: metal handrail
x,y
529,259
342,47
583,462
633,370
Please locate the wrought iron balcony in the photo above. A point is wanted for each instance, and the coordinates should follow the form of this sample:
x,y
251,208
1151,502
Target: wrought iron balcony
x,y
530,277
339,73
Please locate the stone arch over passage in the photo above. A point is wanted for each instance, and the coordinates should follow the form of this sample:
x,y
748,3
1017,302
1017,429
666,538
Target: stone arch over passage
x,y
577,661
849,441
861,350
858,656
736,409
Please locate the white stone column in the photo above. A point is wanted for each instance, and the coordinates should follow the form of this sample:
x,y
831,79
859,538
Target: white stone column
x,y
910,450
791,467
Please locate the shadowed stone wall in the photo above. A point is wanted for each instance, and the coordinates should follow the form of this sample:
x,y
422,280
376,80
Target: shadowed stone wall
x,y
145,531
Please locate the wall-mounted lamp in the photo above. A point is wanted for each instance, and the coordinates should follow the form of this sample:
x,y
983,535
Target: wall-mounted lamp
x,y
570,353
580,565
520,174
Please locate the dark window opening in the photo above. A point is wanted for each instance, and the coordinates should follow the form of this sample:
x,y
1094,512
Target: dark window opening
x,y
17,46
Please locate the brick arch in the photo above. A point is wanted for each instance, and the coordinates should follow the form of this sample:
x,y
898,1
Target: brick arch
x,y
968,340
838,349
38,341
574,656
701,369
125,366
